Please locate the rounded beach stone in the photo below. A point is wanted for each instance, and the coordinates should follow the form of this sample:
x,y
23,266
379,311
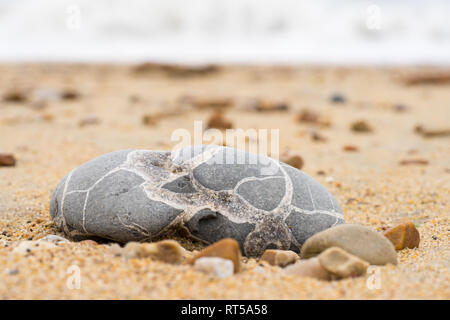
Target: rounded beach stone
x,y
219,267
225,249
310,268
203,192
342,264
280,258
357,240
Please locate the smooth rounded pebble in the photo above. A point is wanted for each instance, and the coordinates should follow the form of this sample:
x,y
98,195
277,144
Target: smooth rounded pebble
x,y
342,264
168,251
53,238
225,249
280,258
357,240
310,268
219,267
207,192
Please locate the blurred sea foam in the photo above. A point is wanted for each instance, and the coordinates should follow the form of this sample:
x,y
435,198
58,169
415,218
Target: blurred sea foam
x,y
231,31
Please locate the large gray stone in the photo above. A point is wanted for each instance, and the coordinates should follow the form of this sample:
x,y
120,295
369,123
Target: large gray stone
x,y
207,192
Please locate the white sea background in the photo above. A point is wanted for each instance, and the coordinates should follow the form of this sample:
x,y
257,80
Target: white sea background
x,y
380,32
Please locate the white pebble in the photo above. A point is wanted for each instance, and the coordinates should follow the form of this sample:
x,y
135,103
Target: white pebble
x,y
221,268
53,238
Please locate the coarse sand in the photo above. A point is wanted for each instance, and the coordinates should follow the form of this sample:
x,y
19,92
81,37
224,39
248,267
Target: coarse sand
x,y
50,136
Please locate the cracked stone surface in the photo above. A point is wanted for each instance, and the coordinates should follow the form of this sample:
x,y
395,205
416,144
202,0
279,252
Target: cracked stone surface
x,y
212,192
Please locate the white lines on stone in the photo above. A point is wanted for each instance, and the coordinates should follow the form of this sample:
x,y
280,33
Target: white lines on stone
x,y
288,191
252,179
203,157
61,213
134,226
65,191
89,190
310,195
335,223
316,211
331,200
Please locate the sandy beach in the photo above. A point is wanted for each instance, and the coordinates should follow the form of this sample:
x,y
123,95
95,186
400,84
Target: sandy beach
x,y
61,116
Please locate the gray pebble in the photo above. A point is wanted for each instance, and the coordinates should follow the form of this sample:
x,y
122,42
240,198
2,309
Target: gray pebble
x,y
357,240
205,193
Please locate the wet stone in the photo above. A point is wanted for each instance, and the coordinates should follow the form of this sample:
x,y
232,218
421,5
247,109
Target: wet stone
x,y
204,193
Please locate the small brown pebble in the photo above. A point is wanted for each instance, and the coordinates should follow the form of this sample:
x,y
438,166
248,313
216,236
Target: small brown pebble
x,y
88,121
308,268
312,117
431,133
403,236
280,258
206,102
46,116
175,70
293,159
69,94
350,148
226,249
168,251
217,121
7,159
269,106
15,95
308,116
212,103
361,126
150,119
321,173
342,264
316,136
429,78
407,162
